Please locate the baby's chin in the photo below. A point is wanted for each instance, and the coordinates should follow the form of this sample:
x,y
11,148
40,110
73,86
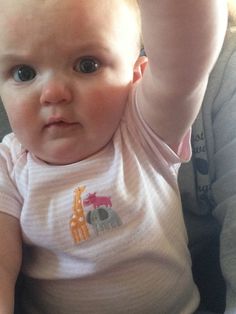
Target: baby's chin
x,y
63,159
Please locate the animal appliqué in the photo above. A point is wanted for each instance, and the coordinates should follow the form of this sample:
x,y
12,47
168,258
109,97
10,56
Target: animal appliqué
x,y
102,217
78,225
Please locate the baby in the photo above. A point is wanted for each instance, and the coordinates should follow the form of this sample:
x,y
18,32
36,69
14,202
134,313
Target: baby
x,y
88,178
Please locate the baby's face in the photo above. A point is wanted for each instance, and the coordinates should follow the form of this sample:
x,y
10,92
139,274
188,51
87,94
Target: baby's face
x,y
66,68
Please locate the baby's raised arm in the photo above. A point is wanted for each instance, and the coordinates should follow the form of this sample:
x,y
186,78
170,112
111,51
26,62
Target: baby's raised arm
x,y
10,261
182,40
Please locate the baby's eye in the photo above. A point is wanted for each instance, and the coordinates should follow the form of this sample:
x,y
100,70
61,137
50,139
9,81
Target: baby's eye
x,y
23,73
87,65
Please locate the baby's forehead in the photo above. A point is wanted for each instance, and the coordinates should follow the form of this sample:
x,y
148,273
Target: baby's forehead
x,y
28,10
25,6
38,17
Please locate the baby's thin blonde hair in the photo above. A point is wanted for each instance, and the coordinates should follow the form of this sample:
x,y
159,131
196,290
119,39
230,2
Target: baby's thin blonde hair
x,y
135,7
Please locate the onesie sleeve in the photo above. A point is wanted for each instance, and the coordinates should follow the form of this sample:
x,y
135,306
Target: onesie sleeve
x,y
10,198
151,141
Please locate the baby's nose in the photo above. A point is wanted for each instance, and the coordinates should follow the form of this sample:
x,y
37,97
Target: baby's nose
x,y
55,92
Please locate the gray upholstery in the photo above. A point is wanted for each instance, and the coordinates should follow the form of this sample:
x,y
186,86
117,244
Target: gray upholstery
x,y
4,124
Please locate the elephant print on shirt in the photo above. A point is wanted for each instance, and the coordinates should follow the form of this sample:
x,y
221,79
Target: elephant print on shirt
x,y
102,217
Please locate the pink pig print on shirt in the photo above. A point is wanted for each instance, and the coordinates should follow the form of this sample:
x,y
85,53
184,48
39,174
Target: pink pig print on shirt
x,y
97,201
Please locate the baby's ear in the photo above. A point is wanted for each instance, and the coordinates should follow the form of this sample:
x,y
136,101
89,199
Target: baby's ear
x,y
139,68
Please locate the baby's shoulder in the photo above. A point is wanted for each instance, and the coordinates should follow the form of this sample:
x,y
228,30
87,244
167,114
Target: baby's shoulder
x,y
11,148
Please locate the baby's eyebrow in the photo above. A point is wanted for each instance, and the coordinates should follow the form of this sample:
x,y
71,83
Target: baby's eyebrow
x,y
86,47
13,57
83,48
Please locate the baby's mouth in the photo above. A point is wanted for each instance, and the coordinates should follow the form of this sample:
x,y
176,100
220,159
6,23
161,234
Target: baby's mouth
x,y
59,123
